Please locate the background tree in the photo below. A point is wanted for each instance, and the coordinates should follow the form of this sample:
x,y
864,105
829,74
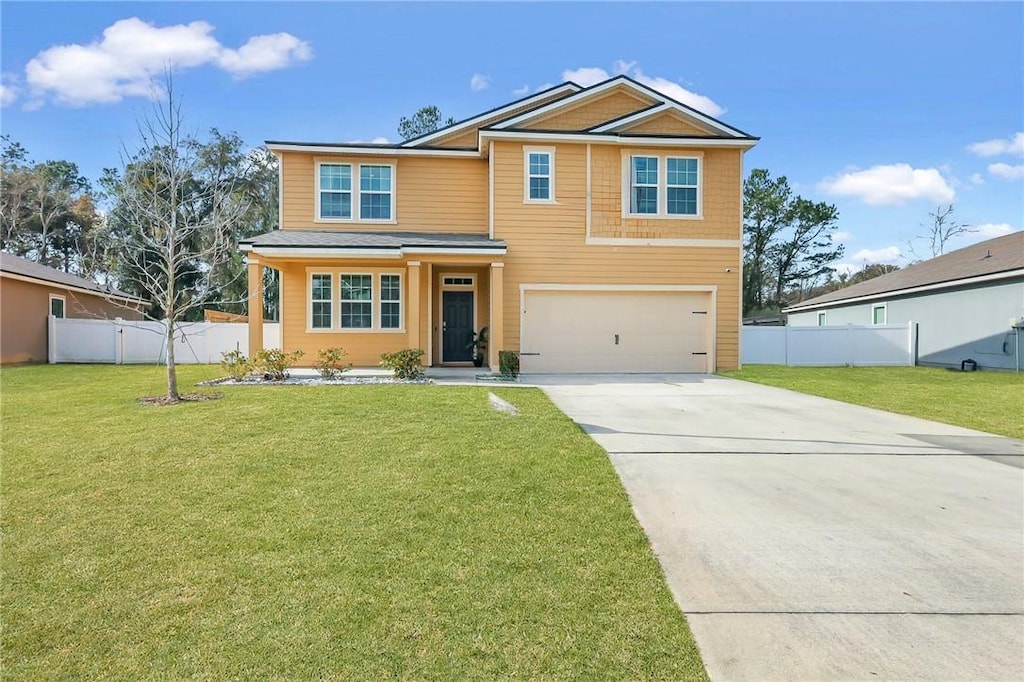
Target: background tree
x,y
788,243
426,120
941,230
177,206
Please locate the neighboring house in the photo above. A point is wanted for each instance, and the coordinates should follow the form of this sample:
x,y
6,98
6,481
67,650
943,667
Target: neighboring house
x,y
29,292
966,304
592,229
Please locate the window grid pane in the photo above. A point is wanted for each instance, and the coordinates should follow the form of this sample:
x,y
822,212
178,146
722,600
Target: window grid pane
x,y
356,301
644,185
682,200
321,297
375,206
390,302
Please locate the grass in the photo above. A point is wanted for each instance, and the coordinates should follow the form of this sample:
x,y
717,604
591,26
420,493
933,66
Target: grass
x,y
986,401
361,532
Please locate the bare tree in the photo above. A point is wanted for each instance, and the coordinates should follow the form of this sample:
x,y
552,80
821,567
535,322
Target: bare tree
x,y
942,229
174,214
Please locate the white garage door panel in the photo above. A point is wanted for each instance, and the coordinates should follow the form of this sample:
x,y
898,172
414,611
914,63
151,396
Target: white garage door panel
x,y
575,331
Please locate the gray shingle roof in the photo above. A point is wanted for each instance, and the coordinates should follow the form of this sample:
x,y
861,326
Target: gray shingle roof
x,y
1001,254
371,240
26,268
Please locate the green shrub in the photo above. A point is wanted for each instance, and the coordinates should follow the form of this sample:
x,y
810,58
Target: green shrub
x,y
329,362
274,363
236,364
406,364
508,363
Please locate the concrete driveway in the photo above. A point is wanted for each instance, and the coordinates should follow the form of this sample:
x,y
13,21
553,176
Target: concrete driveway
x,y
807,539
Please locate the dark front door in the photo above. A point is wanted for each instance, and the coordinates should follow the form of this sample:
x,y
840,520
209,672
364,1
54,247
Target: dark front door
x,y
457,326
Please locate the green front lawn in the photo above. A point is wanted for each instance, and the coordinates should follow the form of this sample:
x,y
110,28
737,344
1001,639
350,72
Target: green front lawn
x,y
358,533
986,401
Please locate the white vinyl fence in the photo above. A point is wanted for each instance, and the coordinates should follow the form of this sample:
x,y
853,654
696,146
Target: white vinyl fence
x,y
126,342
854,345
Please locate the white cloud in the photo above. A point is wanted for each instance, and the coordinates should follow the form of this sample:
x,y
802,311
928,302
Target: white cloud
x,y
376,140
1011,145
977,179
519,92
1006,171
479,82
897,183
845,268
591,75
992,230
132,53
544,86
886,254
8,93
840,237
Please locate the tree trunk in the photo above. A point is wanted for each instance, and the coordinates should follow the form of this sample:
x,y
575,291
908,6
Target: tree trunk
x,y
172,375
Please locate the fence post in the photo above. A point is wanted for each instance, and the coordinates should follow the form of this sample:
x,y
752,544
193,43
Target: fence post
x,y
911,343
118,342
785,352
51,339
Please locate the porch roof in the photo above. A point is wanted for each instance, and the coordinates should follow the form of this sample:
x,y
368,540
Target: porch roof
x,y
333,243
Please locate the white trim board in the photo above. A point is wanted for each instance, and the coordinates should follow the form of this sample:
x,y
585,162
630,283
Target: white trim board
x,y
69,287
645,141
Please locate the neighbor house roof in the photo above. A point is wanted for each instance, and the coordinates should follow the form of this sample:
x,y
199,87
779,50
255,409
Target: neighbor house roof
x,y
23,268
993,259
386,244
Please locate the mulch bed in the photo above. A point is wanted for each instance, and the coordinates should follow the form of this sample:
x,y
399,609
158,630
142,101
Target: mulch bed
x,y
183,398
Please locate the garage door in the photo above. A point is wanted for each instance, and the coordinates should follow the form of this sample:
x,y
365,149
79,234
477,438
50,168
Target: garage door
x,y
615,331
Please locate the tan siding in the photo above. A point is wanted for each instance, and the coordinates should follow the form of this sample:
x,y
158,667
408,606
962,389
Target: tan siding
x,y
668,123
720,197
546,243
591,112
432,194
469,138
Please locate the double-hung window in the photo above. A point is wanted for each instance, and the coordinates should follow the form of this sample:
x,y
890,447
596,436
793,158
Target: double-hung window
x,y
335,190
643,190
540,174
375,192
664,186
390,301
356,301
322,301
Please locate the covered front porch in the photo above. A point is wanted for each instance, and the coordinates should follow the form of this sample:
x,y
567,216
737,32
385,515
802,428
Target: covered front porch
x,y
376,292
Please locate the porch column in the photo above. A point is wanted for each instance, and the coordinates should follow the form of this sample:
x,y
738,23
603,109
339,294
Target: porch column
x,y
496,341
255,271
412,307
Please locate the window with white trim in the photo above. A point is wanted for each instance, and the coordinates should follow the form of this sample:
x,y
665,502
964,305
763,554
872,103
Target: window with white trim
x,y
878,314
322,303
57,305
335,190
356,301
663,186
375,192
540,174
643,185
821,319
390,301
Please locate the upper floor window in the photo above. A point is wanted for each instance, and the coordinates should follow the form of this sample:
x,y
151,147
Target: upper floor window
x,y
373,199
335,190
664,186
539,164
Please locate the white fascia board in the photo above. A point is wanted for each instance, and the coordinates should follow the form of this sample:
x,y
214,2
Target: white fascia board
x,y
616,139
324,252
455,251
580,96
373,151
469,123
952,284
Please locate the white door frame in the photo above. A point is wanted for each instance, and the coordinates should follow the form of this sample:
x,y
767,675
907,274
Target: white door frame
x,y
472,288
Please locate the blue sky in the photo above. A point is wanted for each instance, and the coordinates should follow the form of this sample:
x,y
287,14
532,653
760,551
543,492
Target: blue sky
x,y
886,110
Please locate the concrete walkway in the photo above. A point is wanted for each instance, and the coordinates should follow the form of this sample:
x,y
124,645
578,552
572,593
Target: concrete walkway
x,y
807,539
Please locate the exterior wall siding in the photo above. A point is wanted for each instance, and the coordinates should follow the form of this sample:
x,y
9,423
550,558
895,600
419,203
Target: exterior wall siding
x,y
668,124
432,194
591,112
547,244
25,307
953,325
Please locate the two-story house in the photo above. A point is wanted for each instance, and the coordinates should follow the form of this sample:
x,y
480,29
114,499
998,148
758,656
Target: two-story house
x,y
592,229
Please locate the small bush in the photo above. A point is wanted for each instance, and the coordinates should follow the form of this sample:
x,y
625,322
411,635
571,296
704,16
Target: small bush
x,y
274,363
508,363
329,362
406,364
236,364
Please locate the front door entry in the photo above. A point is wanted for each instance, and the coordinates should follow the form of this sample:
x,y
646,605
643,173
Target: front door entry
x,y
456,326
